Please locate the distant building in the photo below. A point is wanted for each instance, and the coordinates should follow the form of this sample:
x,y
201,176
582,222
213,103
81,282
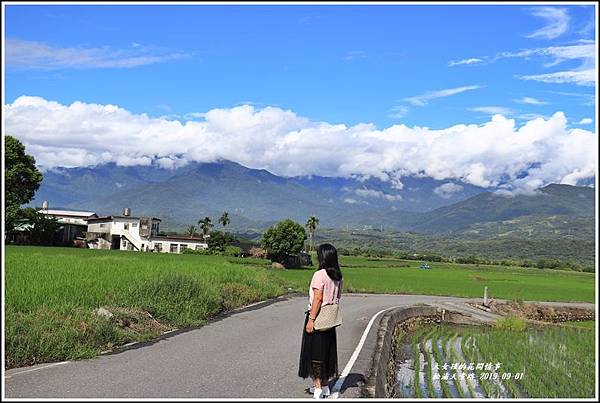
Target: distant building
x,y
176,244
73,223
299,260
126,232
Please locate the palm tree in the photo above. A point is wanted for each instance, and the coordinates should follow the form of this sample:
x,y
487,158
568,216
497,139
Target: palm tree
x,y
191,230
224,220
311,227
205,225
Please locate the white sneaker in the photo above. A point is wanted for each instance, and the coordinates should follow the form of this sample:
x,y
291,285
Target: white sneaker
x,y
325,389
318,393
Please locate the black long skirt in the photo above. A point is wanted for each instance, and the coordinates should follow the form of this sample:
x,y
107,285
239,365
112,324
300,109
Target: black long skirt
x,y
318,354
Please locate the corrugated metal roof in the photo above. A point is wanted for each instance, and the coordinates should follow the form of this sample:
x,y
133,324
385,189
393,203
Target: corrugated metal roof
x,y
177,238
111,217
69,213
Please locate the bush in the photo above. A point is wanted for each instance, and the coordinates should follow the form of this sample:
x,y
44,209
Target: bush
x,y
232,251
258,253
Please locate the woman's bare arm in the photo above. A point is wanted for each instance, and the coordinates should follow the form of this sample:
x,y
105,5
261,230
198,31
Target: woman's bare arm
x,y
314,309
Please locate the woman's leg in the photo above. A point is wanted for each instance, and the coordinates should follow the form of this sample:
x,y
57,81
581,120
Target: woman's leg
x,y
316,369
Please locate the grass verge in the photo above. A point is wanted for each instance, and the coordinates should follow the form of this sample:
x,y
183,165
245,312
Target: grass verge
x,y
52,295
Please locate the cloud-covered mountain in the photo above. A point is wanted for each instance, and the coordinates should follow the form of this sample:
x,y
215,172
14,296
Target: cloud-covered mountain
x,y
257,198
498,153
253,197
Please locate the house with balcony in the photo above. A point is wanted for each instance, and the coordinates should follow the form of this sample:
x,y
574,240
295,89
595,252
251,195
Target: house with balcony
x,y
127,232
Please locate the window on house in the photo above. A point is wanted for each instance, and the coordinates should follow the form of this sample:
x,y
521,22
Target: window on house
x,y
126,225
182,247
102,225
173,248
158,246
124,243
133,225
199,247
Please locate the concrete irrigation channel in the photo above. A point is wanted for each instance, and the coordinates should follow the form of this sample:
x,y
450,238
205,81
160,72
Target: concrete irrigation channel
x,y
250,353
435,365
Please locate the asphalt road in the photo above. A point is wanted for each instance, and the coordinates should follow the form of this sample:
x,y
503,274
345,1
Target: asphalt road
x,y
251,353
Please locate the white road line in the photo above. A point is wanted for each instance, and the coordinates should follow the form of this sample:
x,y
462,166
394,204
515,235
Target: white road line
x,y
37,369
340,382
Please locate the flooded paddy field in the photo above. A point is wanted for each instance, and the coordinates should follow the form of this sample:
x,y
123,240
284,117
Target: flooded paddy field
x,y
510,359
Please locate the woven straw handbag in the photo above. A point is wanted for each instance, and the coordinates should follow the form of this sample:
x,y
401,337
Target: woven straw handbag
x,y
329,316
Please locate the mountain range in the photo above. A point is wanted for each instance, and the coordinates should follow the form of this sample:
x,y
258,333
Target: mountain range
x,y
257,198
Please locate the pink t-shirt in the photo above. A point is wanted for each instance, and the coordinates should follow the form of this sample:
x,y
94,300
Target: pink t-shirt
x,y
321,281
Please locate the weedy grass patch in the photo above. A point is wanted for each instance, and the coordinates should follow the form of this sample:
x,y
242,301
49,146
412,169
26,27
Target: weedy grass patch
x,y
52,293
512,323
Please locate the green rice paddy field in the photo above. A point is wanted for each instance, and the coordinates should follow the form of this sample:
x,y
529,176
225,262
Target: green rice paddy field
x,y
51,292
395,276
510,360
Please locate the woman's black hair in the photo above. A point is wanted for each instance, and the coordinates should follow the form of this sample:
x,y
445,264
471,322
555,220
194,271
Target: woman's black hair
x,y
328,260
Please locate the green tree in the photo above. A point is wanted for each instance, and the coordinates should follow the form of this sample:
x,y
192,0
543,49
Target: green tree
x,y
224,219
205,225
191,231
219,241
311,227
41,228
285,238
21,179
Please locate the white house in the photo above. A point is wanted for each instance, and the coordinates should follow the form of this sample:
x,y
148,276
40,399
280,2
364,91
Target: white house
x,y
126,232
172,244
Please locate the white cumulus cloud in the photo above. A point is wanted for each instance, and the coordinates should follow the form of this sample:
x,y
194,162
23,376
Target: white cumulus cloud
x,y
354,201
447,189
377,194
585,121
497,152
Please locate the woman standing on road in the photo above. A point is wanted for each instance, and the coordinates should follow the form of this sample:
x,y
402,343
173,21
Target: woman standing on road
x,y
318,354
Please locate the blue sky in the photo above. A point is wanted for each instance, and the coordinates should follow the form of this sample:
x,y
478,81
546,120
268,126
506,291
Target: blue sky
x,y
490,95
348,64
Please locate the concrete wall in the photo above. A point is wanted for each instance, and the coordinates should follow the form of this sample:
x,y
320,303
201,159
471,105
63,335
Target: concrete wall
x,y
99,228
376,380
